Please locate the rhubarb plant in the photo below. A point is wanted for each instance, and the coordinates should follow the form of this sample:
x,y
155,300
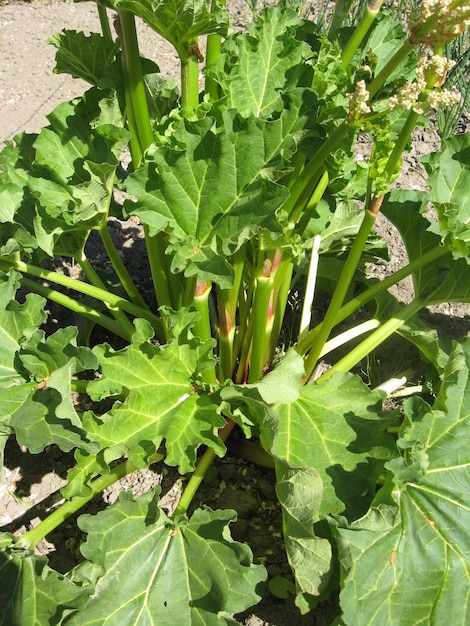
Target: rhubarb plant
x,y
248,193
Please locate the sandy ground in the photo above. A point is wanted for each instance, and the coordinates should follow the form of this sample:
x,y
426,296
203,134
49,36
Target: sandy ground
x,y
29,89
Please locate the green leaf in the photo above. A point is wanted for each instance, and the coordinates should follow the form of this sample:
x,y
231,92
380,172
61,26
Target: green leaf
x,y
300,492
72,174
283,383
15,320
179,21
336,427
404,209
40,411
33,593
35,374
213,191
455,285
161,403
449,180
190,572
415,540
268,59
17,207
81,56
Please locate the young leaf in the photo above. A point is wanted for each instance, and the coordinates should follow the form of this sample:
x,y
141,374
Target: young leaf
x,y
190,572
81,56
418,546
161,401
449,179
268,59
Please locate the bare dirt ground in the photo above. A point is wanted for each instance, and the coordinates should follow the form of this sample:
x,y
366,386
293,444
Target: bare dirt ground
x,y
28,91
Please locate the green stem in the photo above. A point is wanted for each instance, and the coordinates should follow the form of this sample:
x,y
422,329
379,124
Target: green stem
x,y
214,44
202,327
120,269
213,48
158,267
30,539
104,22
134,79
95,280
399,56
339,15
341,290
400,144
307,180
103,295
375,339
360,31
190,79
77,307
376,289
227,300
313,202
282,286
262,315
196,479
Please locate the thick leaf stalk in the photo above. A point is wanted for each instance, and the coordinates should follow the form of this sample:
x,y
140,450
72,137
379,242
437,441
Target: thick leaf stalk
x,y
136,99
111,300
361,30
190,77
228,301
202,327
198,476
262,315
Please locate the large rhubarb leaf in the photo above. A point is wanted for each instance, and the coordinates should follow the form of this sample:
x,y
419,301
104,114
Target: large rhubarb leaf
x,y
213,189
36,373
161,402
190,572
17,206
404,208
336,427
415,539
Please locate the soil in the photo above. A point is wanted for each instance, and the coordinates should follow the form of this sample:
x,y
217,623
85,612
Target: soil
x,y
28,91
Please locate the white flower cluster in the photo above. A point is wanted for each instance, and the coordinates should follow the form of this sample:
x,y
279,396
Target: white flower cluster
x,y
431,70
358,100
448,23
